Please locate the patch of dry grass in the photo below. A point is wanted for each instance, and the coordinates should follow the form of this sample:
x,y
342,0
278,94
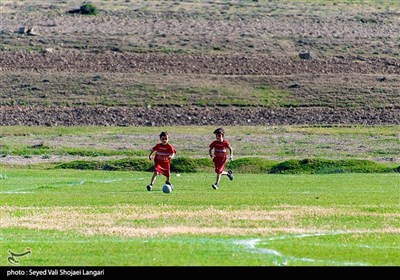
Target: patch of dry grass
x,y
135,221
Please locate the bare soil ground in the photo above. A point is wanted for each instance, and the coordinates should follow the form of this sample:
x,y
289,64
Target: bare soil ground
x,y
156,63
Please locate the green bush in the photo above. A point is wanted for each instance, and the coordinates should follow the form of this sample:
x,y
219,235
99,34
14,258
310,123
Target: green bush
x,y
80,164
289,166
241,165
119,164
184,165
129,164
88,9
325,166
251,165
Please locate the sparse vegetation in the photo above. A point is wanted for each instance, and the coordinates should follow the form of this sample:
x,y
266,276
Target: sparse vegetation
x,y
85,9
274,143
88,9
94,92
195,56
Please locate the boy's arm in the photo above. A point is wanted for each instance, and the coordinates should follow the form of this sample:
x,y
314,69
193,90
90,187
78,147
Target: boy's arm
x,y
230,153
151,152
173,152
210,152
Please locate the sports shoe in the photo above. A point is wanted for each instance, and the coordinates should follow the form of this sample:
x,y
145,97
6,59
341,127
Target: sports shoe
x,y
215,186
230,175
149,187
168,183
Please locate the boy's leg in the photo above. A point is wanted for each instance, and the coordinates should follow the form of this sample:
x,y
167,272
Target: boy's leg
x,y
219,166
153,178
230,174
168,182
215,186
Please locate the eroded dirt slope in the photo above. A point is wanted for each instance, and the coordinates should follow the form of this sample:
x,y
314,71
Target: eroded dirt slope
x,y
350,78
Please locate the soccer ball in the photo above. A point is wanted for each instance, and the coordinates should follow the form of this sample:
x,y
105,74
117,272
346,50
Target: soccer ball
x,y
166,188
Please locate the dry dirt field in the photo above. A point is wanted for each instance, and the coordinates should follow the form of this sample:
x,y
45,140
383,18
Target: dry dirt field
x,y
155,63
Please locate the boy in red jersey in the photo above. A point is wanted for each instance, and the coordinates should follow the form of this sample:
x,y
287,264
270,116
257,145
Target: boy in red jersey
x,y
219,157
162,159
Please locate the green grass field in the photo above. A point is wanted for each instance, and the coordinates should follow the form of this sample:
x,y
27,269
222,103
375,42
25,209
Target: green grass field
x,y
108,218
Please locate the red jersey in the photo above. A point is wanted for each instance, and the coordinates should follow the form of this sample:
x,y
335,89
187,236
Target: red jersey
x,y
162,161
163,152
220,148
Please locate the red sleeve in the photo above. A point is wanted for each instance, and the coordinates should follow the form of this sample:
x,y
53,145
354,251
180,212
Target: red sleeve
x,y
172,149
212,145
228,145
155,147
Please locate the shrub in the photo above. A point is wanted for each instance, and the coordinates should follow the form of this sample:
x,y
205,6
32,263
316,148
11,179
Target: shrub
x,y
183,164
241,165
88,9
325,166
79,164
251,165
289,166
128,164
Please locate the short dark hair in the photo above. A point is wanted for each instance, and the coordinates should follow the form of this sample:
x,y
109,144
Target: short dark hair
x,y
164,133
219,130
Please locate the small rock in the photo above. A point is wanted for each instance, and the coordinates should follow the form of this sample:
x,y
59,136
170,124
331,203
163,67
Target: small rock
x,y
305,55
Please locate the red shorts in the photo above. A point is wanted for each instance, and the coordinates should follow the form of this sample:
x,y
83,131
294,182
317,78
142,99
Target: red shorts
x,y
162,167
219,164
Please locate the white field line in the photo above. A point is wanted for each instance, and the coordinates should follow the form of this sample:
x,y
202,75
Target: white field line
x,y
109,181
74,183
329,192
19,189
105,181
332,245
15,192
357,246
33,189
281,259
24,190
55,241
283,237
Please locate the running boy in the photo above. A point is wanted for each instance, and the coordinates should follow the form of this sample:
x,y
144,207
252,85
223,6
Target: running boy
x,y
219,157
162,159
